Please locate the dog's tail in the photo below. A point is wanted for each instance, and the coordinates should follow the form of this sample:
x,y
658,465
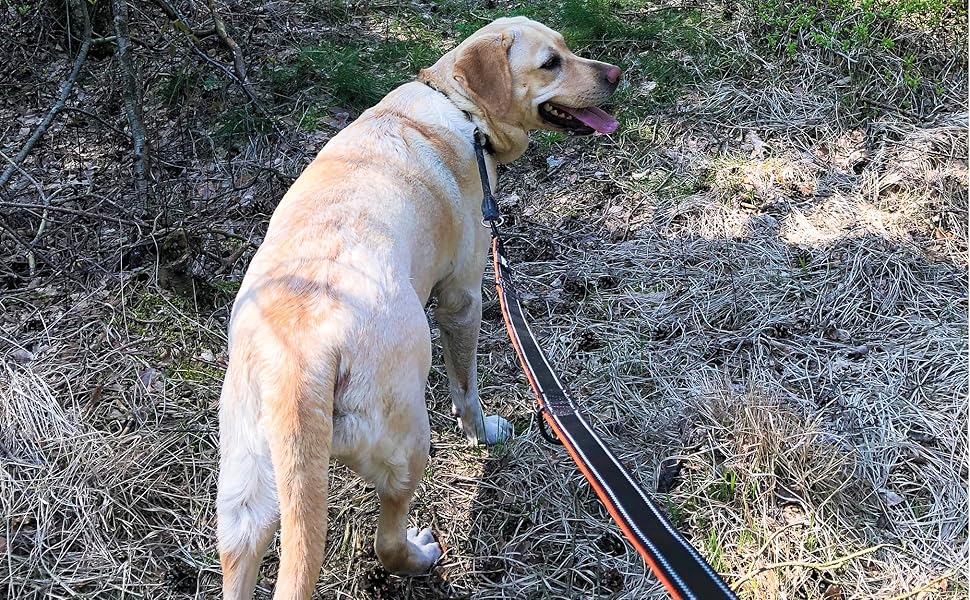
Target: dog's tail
x,y
246,506
276,430
301,426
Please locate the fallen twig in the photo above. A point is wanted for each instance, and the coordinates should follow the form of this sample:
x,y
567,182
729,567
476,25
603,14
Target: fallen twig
x,y
237,58
229,262
832,564
932,585
236,74
31,261
649,11
91,115
74,211
29,249
113,39
66,88
180,23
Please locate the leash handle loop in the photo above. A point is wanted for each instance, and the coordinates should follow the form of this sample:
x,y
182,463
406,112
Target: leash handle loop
x,y
544,430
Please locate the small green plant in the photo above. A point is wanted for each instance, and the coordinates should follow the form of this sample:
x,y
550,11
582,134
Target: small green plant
x,y
746,538
911,74
314,118
676,514
177,86
811,542
713,550
212,82
499,450
848,25
355,75
724,489
521,422
588,20
334,11
547,139
153,314
241,121
670,74
223,291
349,81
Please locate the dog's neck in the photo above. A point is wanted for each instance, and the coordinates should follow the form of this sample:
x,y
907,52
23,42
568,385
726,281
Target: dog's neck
x,y
504,141
487,146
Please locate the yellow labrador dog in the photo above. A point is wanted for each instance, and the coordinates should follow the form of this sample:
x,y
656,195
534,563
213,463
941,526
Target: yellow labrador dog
x,y
329,343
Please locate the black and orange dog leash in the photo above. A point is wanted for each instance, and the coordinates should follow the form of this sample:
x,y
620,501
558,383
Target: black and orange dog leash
x,y
679,567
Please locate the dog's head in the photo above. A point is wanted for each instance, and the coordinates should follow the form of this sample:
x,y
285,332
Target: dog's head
x,y
516,74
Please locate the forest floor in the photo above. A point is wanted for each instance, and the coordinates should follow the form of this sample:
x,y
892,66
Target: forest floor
x,y
756,289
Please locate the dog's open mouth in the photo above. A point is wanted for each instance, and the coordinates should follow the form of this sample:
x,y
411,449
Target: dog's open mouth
x,y
578,121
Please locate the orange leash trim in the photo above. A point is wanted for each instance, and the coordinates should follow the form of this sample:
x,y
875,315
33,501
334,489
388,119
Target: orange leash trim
x,y
676,564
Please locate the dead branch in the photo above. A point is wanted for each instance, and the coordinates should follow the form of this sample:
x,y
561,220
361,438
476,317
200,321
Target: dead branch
x,y
31,261
238,73
180,23
831,564
230,261
132,97
648,11
237,58
113,39
86,213
936,584
104,123
66,87
28,247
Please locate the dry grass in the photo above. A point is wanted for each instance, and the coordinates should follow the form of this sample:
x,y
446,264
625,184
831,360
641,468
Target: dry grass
x,y
763,290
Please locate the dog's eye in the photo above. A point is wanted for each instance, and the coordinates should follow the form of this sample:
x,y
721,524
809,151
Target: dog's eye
x,y
551,63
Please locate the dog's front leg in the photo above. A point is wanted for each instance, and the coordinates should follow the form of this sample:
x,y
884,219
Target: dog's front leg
x,y
459,315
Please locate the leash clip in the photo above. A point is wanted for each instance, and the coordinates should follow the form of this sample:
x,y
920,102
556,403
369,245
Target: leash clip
x,y
487,222
491,217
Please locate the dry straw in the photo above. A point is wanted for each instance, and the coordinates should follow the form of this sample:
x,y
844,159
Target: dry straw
x,y
761,292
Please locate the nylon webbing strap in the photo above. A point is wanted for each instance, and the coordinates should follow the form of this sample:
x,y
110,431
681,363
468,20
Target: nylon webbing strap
x,y
676,563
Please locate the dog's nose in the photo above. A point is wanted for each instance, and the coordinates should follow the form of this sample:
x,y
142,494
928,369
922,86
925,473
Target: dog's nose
x,y
613,74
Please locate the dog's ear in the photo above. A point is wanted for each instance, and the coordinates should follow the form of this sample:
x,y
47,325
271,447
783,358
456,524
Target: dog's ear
x,y
482,69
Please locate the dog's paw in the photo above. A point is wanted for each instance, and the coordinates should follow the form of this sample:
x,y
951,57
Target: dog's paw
x,y
426,550
497,429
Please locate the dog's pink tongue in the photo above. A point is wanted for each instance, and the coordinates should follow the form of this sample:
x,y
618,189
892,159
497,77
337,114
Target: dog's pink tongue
x,y
597,118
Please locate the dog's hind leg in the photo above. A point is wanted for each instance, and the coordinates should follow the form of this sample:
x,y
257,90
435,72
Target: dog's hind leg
x,y
401,550
459,315
246,504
